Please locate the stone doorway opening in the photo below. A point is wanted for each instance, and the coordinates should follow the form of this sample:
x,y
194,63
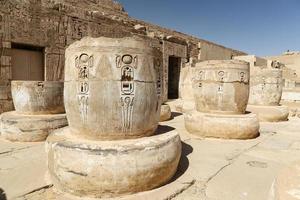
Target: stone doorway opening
x,y
173,77
27,62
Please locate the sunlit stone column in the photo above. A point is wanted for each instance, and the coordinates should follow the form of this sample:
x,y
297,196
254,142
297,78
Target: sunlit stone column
x,y
112,99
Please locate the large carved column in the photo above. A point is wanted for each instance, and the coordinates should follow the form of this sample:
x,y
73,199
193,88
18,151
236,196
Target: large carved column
x,y
112,99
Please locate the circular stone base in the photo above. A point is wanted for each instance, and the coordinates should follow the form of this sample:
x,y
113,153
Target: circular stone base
x,y
102,169
270,113
29,128
165,112
222,126
185,106
286,185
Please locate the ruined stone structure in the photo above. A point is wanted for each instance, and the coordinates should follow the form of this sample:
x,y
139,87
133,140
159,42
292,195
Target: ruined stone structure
x,y
112,99
291,69
42,29
39,110
221,92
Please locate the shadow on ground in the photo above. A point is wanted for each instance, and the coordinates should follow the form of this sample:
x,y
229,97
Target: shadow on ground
x,y
161,129
186,150
175,114
184,161
2,194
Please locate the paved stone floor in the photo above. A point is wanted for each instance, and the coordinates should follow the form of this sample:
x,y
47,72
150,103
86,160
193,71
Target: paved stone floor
x,y
210,169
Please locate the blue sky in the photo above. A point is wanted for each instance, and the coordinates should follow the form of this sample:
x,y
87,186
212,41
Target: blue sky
x,y
261,27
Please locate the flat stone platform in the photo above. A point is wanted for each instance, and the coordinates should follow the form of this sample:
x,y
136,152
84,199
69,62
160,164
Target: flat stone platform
x,y
210,169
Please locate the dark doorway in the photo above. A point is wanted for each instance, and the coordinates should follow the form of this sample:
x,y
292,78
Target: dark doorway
x,y
173,77
27,62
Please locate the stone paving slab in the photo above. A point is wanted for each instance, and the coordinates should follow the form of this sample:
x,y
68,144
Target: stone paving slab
x,y
22,168
210,169
247,178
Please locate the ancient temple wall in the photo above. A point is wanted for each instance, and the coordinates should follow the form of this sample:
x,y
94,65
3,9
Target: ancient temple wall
x,y
49,25
5,62
52,25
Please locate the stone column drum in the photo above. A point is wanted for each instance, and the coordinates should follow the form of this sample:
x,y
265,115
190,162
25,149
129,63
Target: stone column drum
x,y
221,92
112,100
186,100
265,95
39,110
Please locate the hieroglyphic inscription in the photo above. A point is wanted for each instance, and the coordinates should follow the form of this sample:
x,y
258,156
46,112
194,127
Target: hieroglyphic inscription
x,y
157,67
221,76
83,63
127,64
